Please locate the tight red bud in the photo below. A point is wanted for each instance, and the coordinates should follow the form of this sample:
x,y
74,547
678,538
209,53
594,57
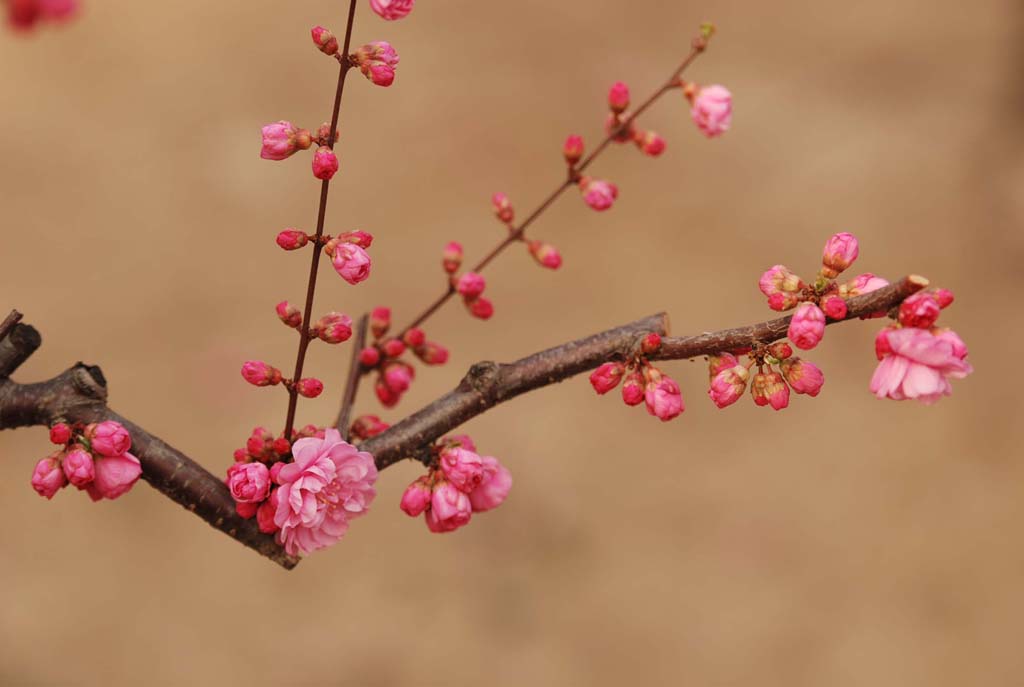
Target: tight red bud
x,y
432,353
414,338
503,209
289,314
292,239
393,348
451,258
380,321
651,343
369,357
310,387
325,40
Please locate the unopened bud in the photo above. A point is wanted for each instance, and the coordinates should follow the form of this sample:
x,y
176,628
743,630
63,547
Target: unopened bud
x,y
451,258
325,40
289,314
380,321
310,387
292,239
503,209
334,328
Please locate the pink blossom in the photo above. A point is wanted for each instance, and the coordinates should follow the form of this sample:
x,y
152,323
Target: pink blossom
x,y
545,254
249,482
607,377
334,328
804,377
920,310
807,326
283,139
324,41
416,497
450,508
633,389
60,434
470,285
432,353
398,377
494,486
618,97
839,253
650,144
114,475
834,307
108,438
47,476
392,9
481,308
329,484
712,110
258,373
451,257
292,239
572,149
503,209
462,467
380,321
781,286
918,364
266,512
768,388
728,385
598,194
309,387
664,400
351,262
377,62
78,467
289,314
325,163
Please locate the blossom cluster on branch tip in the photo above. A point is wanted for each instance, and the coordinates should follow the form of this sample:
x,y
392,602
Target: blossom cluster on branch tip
x,y
384,356
24,15
92,457
641,382
458,483
305,491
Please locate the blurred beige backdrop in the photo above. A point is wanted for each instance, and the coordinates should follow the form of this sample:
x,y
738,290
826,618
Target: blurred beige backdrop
x,y
842,542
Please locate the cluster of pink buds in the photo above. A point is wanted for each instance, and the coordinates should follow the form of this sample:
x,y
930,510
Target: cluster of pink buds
x,y
917,358
729,377
283,139
91,457
544,253
392,9
347,251
394,375
26,14
377,61
458,483
621,128
641,382
259,373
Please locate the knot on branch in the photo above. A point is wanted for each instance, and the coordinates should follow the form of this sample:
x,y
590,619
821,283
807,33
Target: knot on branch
x,y
482,377
88,380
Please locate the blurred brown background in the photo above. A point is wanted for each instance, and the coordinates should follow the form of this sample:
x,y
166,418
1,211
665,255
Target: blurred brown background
x,y
844,541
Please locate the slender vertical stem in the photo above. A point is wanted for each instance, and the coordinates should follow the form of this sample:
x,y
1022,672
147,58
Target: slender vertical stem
x,y
9,322
355,373
304,336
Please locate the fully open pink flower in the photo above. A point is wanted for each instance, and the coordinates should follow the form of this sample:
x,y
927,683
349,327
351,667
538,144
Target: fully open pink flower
x,y
392,9
712,110
249,482
47,476
918,364
351,262
329,484
493,488
114,476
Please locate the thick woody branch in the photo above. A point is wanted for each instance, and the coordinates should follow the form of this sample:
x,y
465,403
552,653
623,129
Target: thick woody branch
x,y
80,393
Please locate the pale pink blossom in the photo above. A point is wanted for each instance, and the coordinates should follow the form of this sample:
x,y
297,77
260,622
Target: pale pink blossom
x,y
416,497
598,194
114,476
450,508
728,385
249,482
607,377
47,477
633,389
918,364
768,388
78,466
781,286
664,399
329,484
325,163
494,486
712,110
351,262
392,9
470,285
839,253
108,438
804,377
462,467
283,139
259,373
920,310
807,326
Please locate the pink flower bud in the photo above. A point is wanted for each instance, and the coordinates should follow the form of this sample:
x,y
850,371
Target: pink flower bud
x,y
807,326
804,377
462,467
325,40
241,455
481,308
503,209
650,143
459,441
351,262
664,399
767,388
281,446
292,239
259,373
325,163
114,475
369,357
451,258
781,286
78,467
334,328
607,377
728,385
289,314
720,362
259,442
265,514
839,253
920,310
861,284
470,285
633,389
108,438
380,321
47,477
711,110
650,343
366,426
834,307
545,254
248,482
597,193
360,238
377,62
398,377
414,338
494,486
450,508
780,350
246,510
393,348
618,97
275,472
387,397
416,497
944,297
323,135
572,149
60,434
283,139
432,353
310,387
391,9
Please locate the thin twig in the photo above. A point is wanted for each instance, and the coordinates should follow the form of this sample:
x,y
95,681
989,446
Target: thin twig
x,y
8,324
354,375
